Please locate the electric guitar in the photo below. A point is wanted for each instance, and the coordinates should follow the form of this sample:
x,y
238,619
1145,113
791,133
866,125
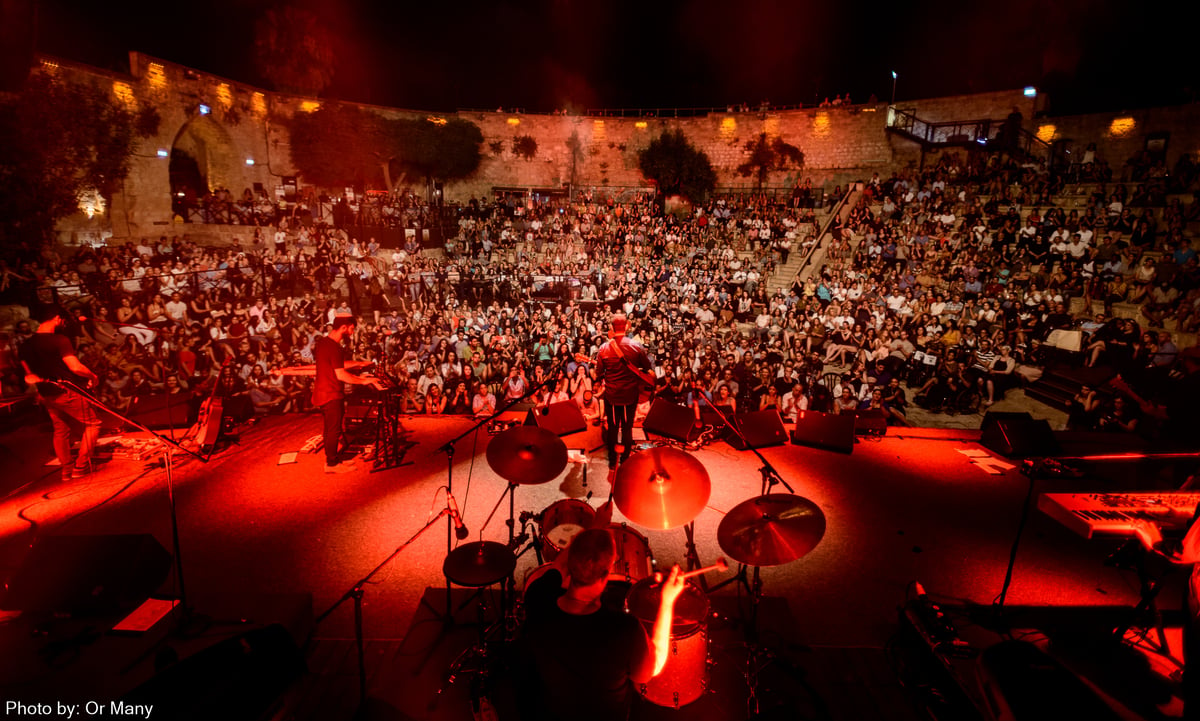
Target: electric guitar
x,y
648,381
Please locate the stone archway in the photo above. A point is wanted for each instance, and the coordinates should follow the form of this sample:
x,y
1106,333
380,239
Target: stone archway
x,y
202,159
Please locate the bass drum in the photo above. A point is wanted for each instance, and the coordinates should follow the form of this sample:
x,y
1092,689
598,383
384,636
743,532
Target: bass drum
x,y
685,676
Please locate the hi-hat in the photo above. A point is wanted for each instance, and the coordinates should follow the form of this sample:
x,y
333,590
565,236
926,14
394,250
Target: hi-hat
x,y
527,455
661,488
771,530
479,564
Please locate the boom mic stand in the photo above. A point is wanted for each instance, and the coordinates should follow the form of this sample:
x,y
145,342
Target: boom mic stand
x,y
167,445
447,618
770,477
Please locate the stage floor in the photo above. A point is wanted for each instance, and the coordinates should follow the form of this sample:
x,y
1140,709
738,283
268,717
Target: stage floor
x,y
909,506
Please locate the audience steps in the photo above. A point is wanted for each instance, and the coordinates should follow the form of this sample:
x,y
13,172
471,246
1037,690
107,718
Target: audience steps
x,y
1060,383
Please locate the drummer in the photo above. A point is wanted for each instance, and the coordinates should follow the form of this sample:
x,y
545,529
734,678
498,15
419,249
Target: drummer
x,y
587,657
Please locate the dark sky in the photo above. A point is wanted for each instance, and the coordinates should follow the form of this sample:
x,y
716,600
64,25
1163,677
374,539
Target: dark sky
x,y
542,55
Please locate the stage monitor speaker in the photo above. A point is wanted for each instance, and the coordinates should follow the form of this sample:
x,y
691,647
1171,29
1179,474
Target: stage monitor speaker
x,y
242,678
521,407
870,423
762,429
87,574
670,421
561,419
829,431
1017,436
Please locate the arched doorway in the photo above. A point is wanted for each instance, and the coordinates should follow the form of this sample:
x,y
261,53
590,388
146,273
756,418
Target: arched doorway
x,y
202,160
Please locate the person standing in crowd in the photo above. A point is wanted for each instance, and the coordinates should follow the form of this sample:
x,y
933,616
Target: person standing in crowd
x,y
622,365
328,393
49,356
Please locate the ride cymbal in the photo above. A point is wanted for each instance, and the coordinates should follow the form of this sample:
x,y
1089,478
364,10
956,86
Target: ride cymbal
x,y
771,530
661,488
527,455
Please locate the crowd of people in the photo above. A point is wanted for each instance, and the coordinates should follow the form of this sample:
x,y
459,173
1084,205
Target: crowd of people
x,y
943,287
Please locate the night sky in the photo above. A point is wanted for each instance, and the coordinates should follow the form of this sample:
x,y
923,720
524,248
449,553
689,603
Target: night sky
x,y
542,55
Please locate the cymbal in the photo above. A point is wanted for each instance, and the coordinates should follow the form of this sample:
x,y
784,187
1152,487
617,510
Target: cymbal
x,y
661,488
771,530
527,455
479,564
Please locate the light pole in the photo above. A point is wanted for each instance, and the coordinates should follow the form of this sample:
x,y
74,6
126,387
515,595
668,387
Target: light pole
x,y
894,76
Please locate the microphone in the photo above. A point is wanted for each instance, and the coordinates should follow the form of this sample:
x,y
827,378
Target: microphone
x,y
460,528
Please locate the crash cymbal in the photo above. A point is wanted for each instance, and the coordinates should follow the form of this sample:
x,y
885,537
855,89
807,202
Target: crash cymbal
x,y
661,488
527,455
479,564
771,530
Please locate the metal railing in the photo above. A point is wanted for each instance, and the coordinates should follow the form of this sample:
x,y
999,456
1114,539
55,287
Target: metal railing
x,y
983,132
807,259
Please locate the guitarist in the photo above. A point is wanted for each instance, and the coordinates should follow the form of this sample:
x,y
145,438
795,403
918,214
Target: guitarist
x,y
623,366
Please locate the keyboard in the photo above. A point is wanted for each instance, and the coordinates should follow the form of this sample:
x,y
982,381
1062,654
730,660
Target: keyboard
x,y
1115,513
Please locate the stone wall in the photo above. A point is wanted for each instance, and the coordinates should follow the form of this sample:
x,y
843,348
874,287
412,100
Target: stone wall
x,y
238,135
1120,135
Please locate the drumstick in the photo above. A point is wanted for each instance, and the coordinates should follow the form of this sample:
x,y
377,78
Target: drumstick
x,y
720,565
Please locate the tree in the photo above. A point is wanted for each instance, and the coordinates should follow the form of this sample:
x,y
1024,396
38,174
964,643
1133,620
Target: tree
x,y
339,145
575,151
435,148
677,166
293,49
67,140
767,155
524,146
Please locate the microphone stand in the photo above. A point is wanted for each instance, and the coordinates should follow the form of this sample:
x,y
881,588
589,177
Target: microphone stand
x,y
448,448
167,445
356,594
770,477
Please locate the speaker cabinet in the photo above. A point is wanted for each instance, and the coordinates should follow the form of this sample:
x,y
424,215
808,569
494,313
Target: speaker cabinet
x,y
88,574
670,421
829,431
1017,436
561,419
762,429
870,423
242,678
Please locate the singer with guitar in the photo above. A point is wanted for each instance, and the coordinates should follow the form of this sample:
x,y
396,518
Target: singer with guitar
x,y
623,366
49,356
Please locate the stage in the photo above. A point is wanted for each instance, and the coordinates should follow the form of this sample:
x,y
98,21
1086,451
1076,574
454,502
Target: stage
x,y
914,505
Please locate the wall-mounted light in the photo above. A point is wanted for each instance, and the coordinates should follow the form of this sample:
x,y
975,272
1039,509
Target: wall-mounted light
x,y
123,92
163,153
1120,127
310,106
204,109
513,121
249,161
641,125
1030,91
157,74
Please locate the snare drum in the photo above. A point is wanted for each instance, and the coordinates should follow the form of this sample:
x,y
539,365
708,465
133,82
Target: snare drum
x,y
633,560
561,522
685,676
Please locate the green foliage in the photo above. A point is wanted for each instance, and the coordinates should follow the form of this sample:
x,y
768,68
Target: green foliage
x,y
767,155
677,166
62,140
524,146
294,50
442,151
340,145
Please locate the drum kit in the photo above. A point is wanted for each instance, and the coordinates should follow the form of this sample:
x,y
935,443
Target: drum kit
x,y
658,488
